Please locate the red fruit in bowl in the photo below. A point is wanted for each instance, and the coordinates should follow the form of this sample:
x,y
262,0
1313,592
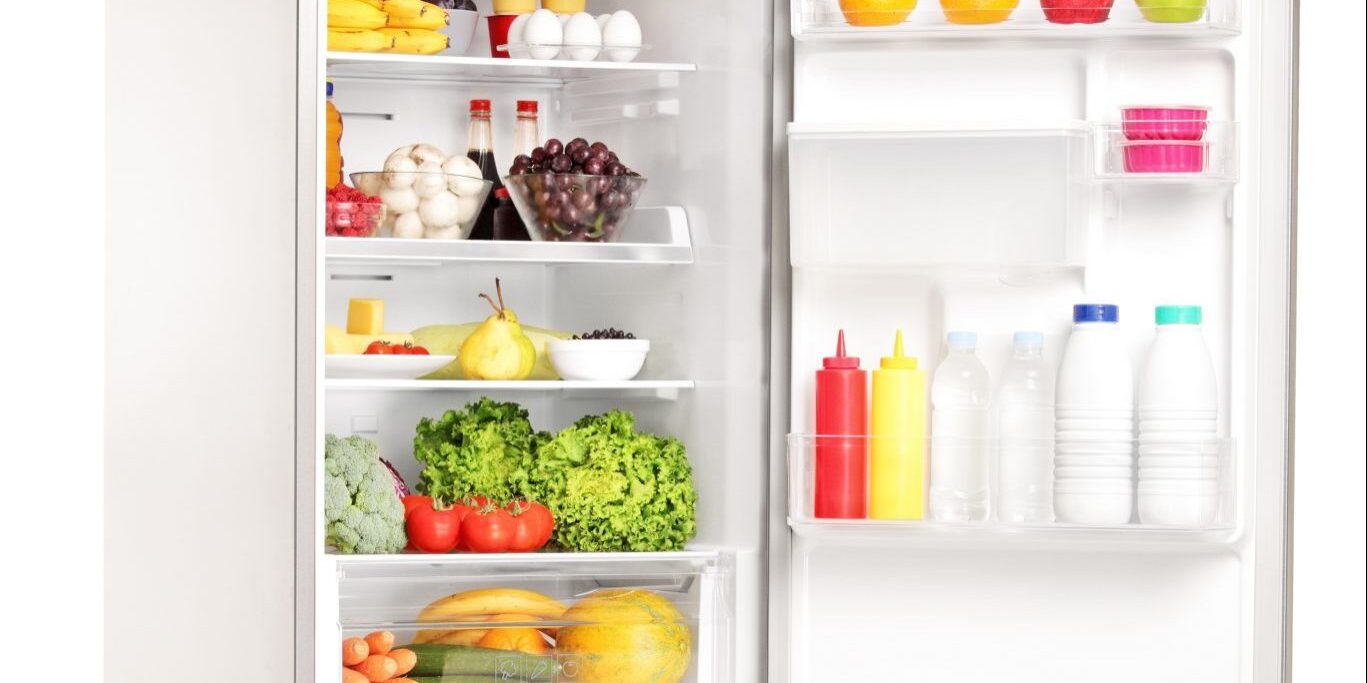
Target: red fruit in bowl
x,y
1077,11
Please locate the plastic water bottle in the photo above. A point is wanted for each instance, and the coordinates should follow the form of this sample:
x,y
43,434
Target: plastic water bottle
x,y
1178,407
1025,434
959,424
1094,422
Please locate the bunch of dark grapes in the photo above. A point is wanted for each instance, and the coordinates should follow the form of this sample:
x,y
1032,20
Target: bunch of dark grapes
x,y
581,192
610,333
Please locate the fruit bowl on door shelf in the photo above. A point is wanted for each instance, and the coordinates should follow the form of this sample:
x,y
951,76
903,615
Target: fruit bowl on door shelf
x,y
894,19
655,235
663,617
1167,151
399,67
1211,516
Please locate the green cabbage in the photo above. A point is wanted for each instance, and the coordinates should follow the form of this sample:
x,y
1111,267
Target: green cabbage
x,y
611,488
475,451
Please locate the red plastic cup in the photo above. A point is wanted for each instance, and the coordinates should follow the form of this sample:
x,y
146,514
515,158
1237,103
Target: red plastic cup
x,y
498,33
1165,156
1164,123
1077,11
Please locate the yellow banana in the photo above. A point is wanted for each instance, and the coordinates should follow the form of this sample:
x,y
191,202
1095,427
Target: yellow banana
x,y
488,601
402,8
415,41
354,14
435,18
358,40
472,636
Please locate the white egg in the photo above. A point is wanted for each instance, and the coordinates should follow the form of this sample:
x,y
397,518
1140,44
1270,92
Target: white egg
x,y
602,21
564,19
408,226
622,37
517,37
430,180
441,210
542,34
582,38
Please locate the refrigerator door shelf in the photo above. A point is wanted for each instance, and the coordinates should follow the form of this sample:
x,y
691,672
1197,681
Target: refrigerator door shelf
x,y
490,70
1204,156
825,20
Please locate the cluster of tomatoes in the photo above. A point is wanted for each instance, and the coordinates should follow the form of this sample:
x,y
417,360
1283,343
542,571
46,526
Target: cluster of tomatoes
x,y
476,524
384,348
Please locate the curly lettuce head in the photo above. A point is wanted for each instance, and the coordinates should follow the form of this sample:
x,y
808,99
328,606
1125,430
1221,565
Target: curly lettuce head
x,y
475,450
611,488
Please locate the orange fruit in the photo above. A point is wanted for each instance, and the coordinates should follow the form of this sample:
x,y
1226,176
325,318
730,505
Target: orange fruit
x,y
876,12
978,11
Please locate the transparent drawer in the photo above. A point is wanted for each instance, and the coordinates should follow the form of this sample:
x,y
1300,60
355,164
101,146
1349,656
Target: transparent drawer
x,y
1165,150
888,19
1169,482
941,198
621,618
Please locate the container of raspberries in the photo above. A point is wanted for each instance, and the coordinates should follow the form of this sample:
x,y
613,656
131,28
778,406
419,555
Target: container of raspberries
x,y
352,213
609,355
573,192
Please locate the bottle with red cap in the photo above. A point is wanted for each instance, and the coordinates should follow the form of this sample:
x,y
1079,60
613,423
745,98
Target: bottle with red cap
x,y
527,130
480,146
841,443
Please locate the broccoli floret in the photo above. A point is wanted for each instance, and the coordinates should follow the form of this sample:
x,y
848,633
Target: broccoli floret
x,y
361,511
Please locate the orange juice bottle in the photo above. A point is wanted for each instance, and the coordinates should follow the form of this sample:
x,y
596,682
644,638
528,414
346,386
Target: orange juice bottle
x,y
333,172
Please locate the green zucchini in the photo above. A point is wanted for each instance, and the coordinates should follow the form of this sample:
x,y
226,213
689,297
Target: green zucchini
x,y
446,661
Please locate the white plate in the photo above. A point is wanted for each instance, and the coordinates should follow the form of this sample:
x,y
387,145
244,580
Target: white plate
x,y
360,366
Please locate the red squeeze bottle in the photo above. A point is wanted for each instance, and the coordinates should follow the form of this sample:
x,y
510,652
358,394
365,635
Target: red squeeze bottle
x,y
841,410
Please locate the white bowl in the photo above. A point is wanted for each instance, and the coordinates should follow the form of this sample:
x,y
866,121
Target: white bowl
x,y
598,359
361,366
1093,472
1178,509
461,31
1093,508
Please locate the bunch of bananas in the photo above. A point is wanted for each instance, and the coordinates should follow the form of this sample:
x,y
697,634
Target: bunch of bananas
x,y
485,607
407,26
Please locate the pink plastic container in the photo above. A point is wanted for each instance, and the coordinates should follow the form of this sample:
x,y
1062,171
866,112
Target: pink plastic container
x,y
1165,156
1164,123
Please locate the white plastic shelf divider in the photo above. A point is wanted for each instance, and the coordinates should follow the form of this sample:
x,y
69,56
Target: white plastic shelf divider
x,y
660,236
823,20
381,66
664,389
539,561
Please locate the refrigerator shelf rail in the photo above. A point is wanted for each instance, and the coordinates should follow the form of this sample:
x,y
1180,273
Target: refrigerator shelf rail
x,y
662,389
488,70
659,236
825,20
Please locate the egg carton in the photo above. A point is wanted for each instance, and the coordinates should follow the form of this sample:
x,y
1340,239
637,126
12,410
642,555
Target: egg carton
x,y
577,52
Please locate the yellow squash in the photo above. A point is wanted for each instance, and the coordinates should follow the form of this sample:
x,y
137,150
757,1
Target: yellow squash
x,y
625,635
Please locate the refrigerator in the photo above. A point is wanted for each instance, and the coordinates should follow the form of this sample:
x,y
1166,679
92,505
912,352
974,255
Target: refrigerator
x,y
808,175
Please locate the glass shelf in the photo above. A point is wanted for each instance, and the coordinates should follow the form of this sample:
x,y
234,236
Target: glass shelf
x,y
382,66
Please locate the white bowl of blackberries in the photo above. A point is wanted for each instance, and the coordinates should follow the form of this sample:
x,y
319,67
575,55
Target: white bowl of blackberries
x,y
609,355
573,192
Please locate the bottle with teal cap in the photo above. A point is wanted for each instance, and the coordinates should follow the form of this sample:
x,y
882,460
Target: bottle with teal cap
x,y
898,450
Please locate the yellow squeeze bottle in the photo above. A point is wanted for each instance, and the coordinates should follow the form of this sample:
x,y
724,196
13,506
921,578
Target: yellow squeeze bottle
x,y
897,461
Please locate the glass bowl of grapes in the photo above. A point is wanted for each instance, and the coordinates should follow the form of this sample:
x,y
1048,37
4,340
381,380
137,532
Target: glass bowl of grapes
x,y
573,192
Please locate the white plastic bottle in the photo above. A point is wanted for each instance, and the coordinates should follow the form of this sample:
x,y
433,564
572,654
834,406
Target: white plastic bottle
x,y
959,429
1025,434
1178,406
1094,422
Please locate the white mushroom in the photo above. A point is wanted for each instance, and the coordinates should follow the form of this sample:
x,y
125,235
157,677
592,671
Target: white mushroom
x,y
399,200
469,208
398,172
465,177
424,153
441,210
408,226
451,233
430,180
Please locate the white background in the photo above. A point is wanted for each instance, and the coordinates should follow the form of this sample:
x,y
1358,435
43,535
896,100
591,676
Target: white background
x,y
52,323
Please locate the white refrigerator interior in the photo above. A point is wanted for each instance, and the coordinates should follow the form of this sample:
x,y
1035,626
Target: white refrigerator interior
x,y
807,176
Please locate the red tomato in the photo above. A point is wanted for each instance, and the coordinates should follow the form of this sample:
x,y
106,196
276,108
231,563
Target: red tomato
x,y
433,530
532,526
414,350
463,508
379,348
415,501
489,530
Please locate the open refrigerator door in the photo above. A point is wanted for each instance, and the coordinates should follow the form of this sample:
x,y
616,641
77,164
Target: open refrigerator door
x,y
981,177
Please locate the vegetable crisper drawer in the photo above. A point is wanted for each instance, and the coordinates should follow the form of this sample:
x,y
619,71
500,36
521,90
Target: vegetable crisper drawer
x,y
938,198
565,618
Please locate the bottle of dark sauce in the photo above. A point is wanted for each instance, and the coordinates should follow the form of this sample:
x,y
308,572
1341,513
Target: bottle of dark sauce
x,y
481,151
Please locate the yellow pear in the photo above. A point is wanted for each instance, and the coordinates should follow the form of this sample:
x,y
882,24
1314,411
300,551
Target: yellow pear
x,y
498,349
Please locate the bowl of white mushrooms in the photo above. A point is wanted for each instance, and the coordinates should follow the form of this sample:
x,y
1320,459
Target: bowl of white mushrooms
x,y
426,194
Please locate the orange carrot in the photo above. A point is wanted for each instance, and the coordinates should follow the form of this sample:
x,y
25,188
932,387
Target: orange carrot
x,y
354,651
406,659
380,642
353,676
377,668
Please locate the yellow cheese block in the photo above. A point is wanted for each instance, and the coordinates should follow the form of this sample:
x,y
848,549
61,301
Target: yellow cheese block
x,y
335,340
365,316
